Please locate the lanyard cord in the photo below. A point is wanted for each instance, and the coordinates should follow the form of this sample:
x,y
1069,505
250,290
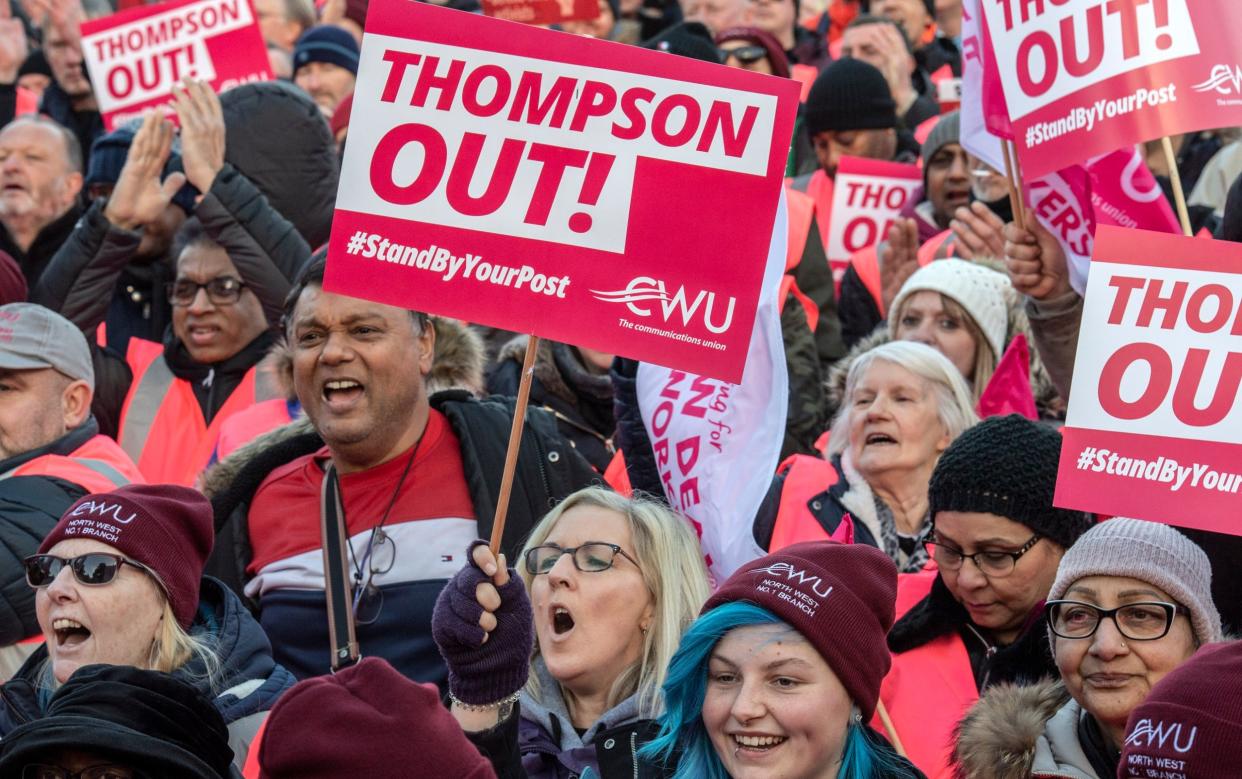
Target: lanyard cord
x,y
366,558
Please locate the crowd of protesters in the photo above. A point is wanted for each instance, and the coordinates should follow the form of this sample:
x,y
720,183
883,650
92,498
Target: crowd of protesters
x,y
185,409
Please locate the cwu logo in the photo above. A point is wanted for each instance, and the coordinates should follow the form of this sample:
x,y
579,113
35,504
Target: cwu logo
x,y
102,509
1148,733
643,289
1224,80
797,576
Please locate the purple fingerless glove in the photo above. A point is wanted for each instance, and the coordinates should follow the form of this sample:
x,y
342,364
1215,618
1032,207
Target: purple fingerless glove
x,y
482,673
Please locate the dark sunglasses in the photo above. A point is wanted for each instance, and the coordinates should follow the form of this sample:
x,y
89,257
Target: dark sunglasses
x,y
222,291
745,54
91,569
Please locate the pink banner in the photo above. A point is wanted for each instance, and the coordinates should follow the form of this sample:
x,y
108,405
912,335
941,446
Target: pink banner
x,y
546,183
991,93
1126,194
1154,429
1084,77
867,197
541,11
135,57
1115,188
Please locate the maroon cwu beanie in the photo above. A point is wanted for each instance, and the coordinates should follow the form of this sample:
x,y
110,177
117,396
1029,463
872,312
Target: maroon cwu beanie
x,y
1190,724
840,597
165,527
366,721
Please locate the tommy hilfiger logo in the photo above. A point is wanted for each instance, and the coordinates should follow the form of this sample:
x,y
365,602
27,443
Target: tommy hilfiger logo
x,y
102,509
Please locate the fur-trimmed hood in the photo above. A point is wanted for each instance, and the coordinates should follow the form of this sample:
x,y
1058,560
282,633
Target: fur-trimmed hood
x,y
1018,732
559,371
997,737
545,366
300,434
460,358
1047,401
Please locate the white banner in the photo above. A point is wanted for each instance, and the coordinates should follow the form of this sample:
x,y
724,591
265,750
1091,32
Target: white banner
x,y
717,444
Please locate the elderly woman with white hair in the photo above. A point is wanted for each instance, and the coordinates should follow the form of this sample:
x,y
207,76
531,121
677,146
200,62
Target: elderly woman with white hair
x,y
904,404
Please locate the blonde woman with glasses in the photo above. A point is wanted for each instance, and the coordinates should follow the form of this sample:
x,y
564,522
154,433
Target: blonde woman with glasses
x,y
567,679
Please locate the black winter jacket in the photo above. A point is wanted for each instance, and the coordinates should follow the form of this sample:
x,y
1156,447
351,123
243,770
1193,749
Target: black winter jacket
x,y
37,259
548,470
277,137
267,250
30,506
860,316
580,400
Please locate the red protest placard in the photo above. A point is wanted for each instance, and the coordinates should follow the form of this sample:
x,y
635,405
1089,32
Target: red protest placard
x,y
541,11
135,57
1154,429
867,196
1085,77
580,190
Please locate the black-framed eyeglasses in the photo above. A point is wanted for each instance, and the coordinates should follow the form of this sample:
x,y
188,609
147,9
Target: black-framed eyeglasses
x,y
379,559
222,291
105,771
990,562
94,569
591,557
1145,621
745,54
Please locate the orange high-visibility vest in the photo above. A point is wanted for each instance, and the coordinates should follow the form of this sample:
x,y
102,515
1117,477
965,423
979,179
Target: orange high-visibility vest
x,y
250,423
162,425
801,216
98,465
251,769
805,75
805,477
819,188
928,689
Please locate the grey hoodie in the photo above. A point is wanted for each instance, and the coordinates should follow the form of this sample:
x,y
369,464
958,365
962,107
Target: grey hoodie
x,y
550,746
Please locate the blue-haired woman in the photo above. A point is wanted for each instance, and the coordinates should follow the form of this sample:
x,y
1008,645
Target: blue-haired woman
x,y
781,672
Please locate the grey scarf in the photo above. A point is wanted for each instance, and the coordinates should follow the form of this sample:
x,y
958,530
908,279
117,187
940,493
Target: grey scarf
x,y
907,561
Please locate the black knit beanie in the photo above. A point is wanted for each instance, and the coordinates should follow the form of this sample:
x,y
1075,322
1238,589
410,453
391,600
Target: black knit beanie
x,y
849,95
1007,466
156,722
688,39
